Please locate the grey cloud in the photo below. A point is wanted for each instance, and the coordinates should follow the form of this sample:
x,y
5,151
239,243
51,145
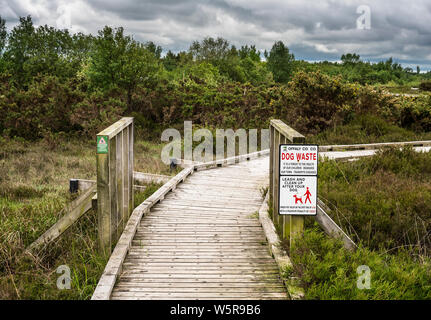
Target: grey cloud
x,y
315,30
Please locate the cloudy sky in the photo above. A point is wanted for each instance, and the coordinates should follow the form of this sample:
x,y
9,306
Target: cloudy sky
x,y
313,29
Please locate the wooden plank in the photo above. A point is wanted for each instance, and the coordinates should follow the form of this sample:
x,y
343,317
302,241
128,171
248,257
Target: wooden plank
x,y
131,130
142,177
113,268
84,184
285,220
173,207
276,217
281,258
330,227
119,185
231,160
212,203
209,233
179,285
117,127
372,146
113,189
216,290
296,226
104,203
73,212
132,268
200,277
202,295
291,134
139,256
250,278
127,186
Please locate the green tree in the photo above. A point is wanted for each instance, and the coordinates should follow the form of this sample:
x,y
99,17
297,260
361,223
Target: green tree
x,y
280,62
32,52
21,43
210,49
152,47
350,58
170,61
3,39
3,35
118,61
220,54
249,52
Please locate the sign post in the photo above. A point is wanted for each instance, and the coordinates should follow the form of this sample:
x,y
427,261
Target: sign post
x,y
297,183
114,181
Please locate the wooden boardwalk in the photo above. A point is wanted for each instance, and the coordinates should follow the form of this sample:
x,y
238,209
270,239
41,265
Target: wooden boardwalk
x,y
204,241
206,233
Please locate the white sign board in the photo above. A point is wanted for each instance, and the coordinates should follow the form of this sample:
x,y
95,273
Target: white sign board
x,y
298,160
298,179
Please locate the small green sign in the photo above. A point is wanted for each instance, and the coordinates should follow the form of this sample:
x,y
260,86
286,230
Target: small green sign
x,y
102,144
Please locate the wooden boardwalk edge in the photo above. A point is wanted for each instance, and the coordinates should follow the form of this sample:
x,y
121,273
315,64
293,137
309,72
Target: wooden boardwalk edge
x,y
74,211
281,258
373,146
114,265
330,227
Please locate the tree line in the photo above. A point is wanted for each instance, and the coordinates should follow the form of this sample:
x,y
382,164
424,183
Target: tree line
x,y
52,80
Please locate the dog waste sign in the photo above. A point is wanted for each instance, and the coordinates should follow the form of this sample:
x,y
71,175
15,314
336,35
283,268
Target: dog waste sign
x,y
102,144
298,179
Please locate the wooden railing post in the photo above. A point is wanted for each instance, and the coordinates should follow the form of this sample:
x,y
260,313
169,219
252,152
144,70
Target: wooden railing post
x,y
280,133
114,181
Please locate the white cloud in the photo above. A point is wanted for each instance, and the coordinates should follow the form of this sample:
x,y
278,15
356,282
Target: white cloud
x,y
314,30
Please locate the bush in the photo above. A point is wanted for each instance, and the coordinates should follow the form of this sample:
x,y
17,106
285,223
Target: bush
x,y
382,201
415,113
45,106
313,102
328,271
425,86
97,111
366,129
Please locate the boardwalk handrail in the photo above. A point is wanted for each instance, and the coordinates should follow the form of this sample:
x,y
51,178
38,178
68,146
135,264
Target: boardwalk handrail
x,y
373,146
114,181
280,133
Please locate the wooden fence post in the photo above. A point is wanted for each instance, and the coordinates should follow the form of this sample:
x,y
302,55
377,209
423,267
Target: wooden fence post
x,y
114,181
280,133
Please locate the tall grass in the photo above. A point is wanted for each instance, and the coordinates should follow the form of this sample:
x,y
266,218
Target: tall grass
x,y
34,182
384,204
382,201
328,271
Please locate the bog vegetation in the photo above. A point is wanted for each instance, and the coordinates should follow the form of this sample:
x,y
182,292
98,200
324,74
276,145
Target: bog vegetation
x,y
52,81
58,88
383,203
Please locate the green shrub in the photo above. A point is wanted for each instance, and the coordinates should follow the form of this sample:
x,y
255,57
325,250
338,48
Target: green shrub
x,y
415,113
313,102
382,201
328,271
45,105
425,85
366,129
